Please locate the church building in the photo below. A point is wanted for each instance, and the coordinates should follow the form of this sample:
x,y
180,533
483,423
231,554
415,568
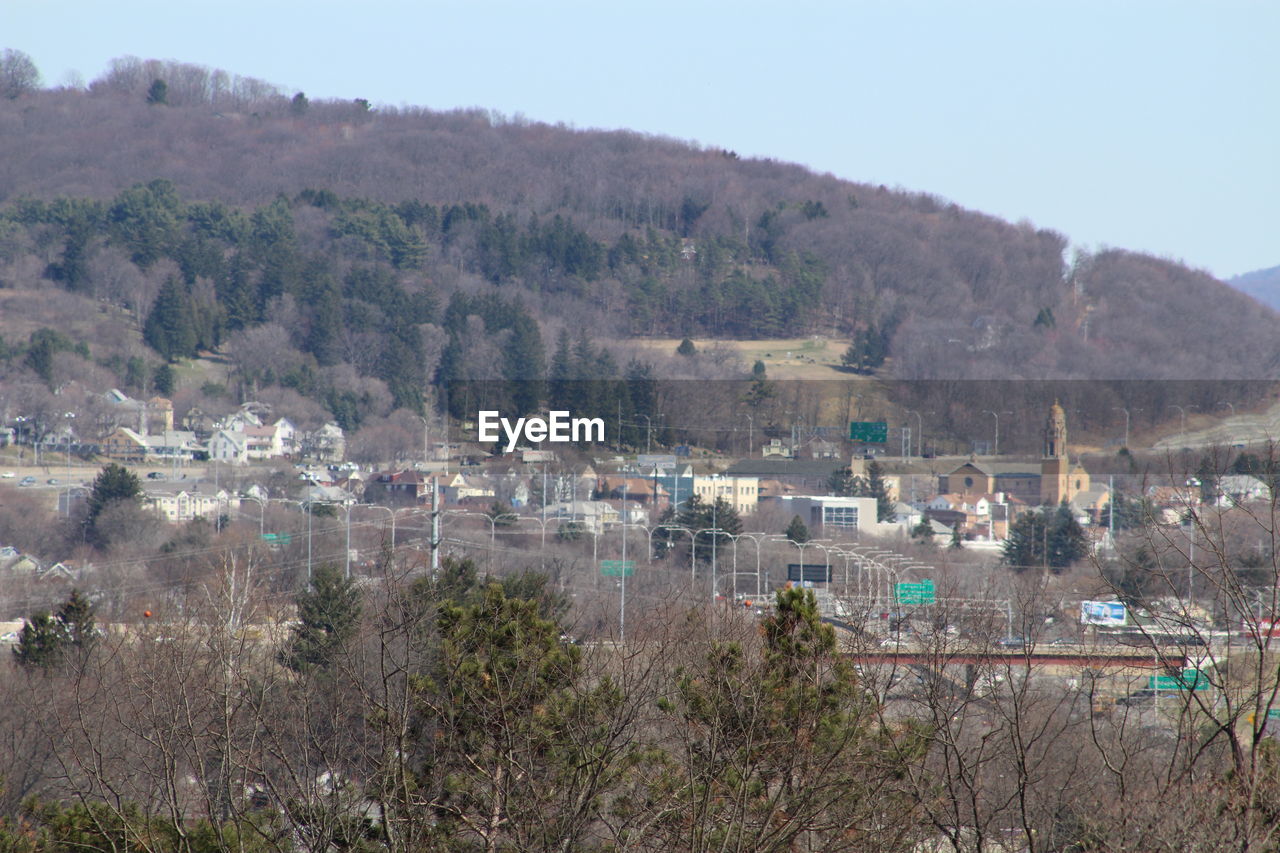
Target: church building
x,y
1054,480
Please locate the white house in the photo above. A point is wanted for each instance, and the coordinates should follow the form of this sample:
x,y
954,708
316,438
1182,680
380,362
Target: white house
x,y
228,446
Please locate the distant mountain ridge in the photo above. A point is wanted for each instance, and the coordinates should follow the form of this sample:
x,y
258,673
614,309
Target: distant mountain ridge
x,y
1262,285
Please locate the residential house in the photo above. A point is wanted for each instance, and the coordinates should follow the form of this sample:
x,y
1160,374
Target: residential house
x,y
644,490
172,444
229,446
125,445
1243,488
327,444
594,516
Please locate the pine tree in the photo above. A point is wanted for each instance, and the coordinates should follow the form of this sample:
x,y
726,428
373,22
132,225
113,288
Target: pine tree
x,y
170,327
1067,541
696,514
524,365
158,93
686,348
76,618
1024,549
505,688
40,642
842,483
780,748
797,531
560,375
876,488
114,484
46,638
328,615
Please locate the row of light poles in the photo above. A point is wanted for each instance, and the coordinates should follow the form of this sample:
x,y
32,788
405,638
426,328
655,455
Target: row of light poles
x,y
870,562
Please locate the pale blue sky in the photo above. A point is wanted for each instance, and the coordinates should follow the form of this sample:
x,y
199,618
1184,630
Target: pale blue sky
x,y
1143,124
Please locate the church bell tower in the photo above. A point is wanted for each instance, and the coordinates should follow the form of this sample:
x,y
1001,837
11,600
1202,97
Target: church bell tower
x,y
1054,466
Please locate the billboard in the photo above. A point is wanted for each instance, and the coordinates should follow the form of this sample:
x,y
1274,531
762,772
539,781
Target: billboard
x,y
813,573
1110,613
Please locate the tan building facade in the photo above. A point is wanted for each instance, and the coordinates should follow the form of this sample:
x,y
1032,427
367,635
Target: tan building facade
x,y
742,493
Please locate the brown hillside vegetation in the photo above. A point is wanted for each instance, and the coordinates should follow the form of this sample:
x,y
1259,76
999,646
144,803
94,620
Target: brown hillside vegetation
x,y
954,293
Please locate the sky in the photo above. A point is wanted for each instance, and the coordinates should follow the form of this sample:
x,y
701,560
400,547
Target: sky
x,y
1151,125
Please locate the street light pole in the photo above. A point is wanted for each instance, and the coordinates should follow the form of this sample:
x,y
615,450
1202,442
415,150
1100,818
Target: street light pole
x,y
919,431
1126,422
996,415
1183,412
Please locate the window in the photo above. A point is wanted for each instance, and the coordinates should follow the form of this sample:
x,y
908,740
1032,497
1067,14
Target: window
x,y
968,481
844,517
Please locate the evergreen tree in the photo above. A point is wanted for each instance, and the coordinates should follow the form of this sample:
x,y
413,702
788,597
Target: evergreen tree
x,y
165,379
867,351
503,689
842,483
40,642
957,541
686,348
76,618
170,327
114,484
923,532
298,106
560,375
328,616
1050,540
875,488
797,531
1024,548
46,638
1067,541
158,93
525,365
696,514
780,748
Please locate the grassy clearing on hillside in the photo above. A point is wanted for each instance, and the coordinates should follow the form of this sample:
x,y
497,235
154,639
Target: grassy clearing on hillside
x,y
814,357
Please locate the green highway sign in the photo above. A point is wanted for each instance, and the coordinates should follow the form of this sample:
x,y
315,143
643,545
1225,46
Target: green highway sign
x,y
916,593
1190,678
872,432
277,538
617,568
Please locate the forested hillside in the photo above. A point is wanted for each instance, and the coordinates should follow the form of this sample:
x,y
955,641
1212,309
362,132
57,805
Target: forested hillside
x,y
314,243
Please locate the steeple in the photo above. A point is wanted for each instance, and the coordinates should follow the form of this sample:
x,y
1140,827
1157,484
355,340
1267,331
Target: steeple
x,y
1055,433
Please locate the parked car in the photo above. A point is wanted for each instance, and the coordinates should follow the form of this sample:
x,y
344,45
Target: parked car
x,y
155,475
